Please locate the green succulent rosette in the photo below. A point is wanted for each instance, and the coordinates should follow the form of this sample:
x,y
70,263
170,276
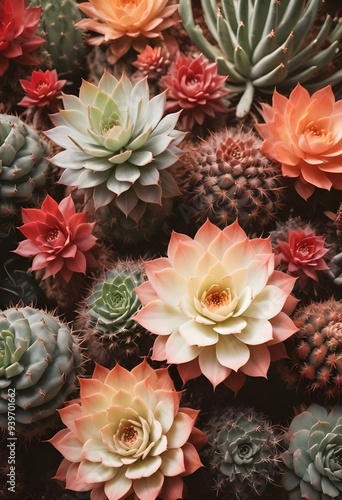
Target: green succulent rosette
x,y
114,301
23,163
313,460
117,144
242,452
38,361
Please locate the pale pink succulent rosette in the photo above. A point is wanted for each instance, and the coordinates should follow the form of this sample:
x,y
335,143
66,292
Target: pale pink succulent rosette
x,y
218,306
304,134
303,252
128,435
58,239
126,23
194,86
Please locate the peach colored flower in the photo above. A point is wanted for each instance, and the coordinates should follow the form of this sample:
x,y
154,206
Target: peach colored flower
x,y
303,254
127,435
304,134
126,23
58,239
217,305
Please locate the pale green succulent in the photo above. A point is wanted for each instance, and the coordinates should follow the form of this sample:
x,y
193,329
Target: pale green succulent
x,y
38,361
23,164
117,144
264,43
314,457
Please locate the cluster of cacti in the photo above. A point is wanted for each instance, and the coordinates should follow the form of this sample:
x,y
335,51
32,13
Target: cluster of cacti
x,y
39,359
64,49
105,318
242,451
23,163
315,351
262,44
225,176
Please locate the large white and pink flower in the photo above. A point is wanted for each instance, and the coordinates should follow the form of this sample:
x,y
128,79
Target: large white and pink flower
x,y
218,306
128,435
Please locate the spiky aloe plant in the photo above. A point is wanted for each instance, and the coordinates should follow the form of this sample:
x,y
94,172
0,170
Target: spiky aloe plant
x,y
263,43
39,357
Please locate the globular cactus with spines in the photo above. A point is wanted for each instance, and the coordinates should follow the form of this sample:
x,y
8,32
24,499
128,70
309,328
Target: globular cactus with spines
x,y
242,452
23,163
266,43
225,177
105,318
64,49
39,358
315,351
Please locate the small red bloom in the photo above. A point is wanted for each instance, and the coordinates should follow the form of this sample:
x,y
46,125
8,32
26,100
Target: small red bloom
x,y
195,87
303,252
59,239
41,89
17,38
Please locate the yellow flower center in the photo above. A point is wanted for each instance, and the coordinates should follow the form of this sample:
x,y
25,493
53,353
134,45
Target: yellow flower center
x,y
123,3
216,300
312,129
129,435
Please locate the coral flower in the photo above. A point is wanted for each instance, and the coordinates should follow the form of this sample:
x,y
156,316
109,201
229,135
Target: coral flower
x,y
303,252
217,305
41,89
126,23
58,238
303,133
17,38
128,435
195,87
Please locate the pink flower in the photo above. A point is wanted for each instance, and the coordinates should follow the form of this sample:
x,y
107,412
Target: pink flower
x,y
153,61
304,134
194,86
59,239
41,89
217,305
303,252
17,38
127,435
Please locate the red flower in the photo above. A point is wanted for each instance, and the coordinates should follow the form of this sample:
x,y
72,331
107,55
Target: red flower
x,y
59,239
195,87
303,252
17,38
42,88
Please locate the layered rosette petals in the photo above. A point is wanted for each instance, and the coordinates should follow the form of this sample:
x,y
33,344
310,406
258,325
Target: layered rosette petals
x,y
217,305
126,23
58,239
128,435
42,89
303,133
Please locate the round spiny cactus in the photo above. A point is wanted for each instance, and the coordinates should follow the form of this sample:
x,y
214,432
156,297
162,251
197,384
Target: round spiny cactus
x,y
266,43
105,318
242,452
225,177
39,357
23,164
315,351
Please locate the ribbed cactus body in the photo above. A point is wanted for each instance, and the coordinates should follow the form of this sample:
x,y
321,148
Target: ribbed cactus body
x,y
261,44
64,43
226,177
23,163
38,359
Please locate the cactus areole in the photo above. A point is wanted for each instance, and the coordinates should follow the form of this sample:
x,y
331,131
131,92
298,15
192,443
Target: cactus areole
x,y
263,44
